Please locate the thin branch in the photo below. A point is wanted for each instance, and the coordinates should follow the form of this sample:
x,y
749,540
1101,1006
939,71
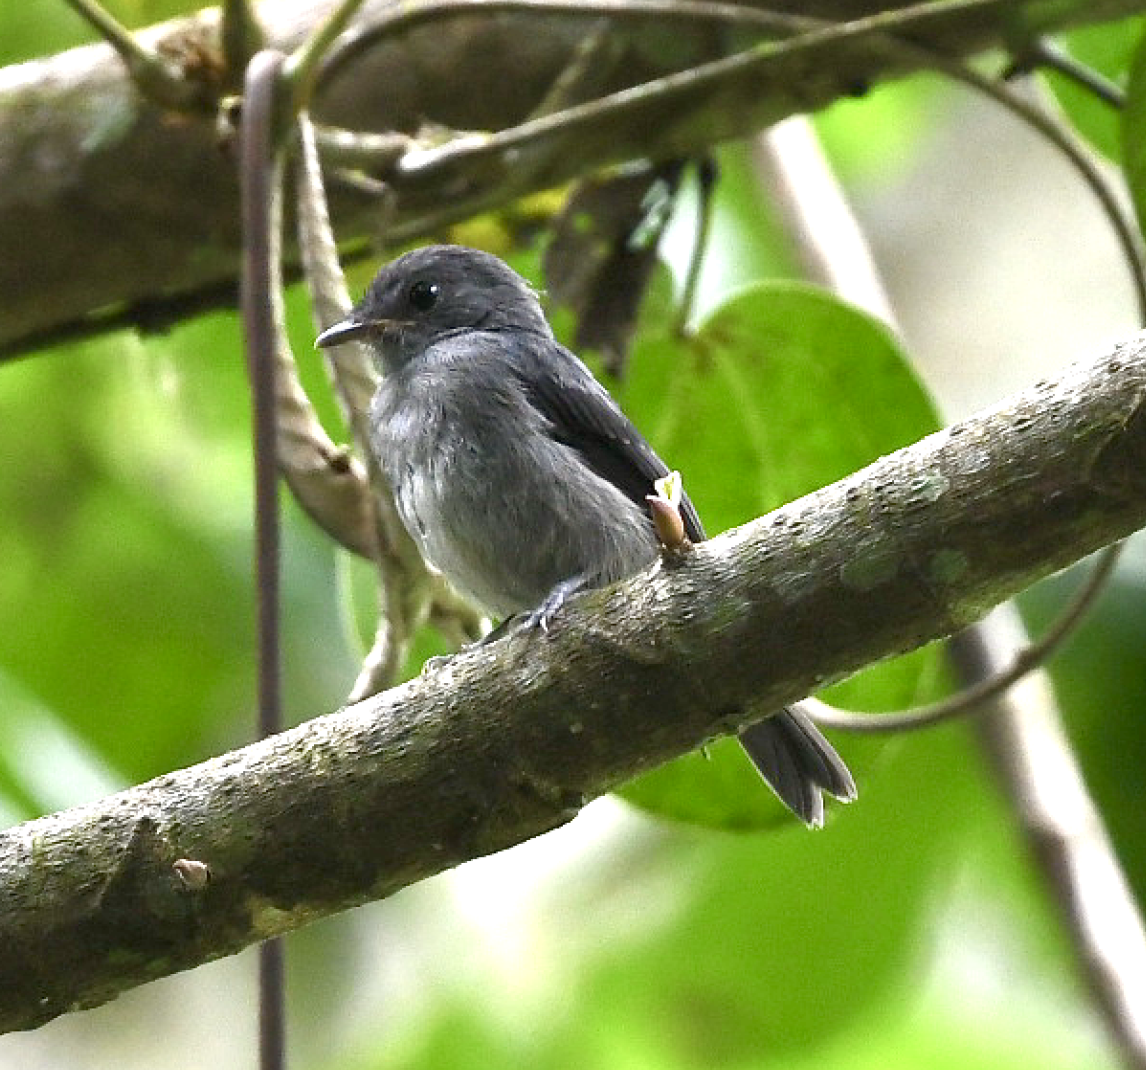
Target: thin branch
x,y
530,727
589,69
706,178
154,76
976,697
351,371
1046,54
261,176
404,582
1065,831
241,34
305,62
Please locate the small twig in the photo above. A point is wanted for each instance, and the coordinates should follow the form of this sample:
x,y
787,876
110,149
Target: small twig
x,y
351,370
976,697
1043,53
353,148
242,35
589,68
302,68
155,77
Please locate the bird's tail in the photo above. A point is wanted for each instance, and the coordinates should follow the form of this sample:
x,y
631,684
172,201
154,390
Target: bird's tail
x,y
798,763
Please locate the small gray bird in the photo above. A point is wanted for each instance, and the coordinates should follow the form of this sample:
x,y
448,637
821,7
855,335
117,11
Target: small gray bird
x,y
516,472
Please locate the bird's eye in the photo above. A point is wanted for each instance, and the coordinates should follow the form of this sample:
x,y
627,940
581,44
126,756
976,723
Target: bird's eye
x,y
424,295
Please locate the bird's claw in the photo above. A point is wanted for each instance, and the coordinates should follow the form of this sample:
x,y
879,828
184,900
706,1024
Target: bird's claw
x,y
543,615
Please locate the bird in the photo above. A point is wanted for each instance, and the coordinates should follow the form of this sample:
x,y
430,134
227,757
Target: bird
x,y
516,472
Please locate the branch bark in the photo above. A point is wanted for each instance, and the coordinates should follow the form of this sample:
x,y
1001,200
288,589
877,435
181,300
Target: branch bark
x,y
113,204
510,739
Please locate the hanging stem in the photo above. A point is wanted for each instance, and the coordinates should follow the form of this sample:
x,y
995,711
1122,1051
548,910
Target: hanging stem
x,y
261,179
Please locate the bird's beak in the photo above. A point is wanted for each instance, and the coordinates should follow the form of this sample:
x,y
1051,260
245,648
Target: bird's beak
x,y
347,330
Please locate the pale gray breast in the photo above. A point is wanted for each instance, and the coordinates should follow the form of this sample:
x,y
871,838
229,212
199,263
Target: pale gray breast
x,y
504,515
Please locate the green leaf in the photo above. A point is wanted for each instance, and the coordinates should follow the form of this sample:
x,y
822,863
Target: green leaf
x,y
784,390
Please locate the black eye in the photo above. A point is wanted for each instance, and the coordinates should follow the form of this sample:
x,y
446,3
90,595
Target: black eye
x,y
424,295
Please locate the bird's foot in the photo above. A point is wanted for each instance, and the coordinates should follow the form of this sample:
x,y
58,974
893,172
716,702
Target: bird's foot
x,y
543,615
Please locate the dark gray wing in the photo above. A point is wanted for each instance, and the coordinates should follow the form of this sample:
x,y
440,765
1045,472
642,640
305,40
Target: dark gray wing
x,y
584,416
787,748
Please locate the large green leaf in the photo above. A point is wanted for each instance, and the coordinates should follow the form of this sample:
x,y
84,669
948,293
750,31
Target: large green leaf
x,y
783,390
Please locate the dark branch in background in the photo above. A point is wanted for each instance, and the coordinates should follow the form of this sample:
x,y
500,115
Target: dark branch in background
x,y
706,179
1044,54
353,806
165,191
241,36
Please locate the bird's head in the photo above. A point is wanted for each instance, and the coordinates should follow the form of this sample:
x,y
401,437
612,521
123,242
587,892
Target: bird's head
x,y
434,292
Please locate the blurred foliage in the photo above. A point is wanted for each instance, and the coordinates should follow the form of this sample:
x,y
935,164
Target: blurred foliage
x,y
874,136
127,651
33,28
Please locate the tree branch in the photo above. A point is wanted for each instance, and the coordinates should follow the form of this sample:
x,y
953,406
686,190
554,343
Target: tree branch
x,y
510,739
120,205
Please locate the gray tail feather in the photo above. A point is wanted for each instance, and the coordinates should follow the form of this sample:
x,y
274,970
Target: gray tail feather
x,y
798,763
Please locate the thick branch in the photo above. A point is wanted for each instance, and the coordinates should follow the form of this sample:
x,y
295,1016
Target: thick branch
x,y
110,202
510,739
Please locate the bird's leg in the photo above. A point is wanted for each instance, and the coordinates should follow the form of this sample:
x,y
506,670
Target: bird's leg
x,y
538,618
554,600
